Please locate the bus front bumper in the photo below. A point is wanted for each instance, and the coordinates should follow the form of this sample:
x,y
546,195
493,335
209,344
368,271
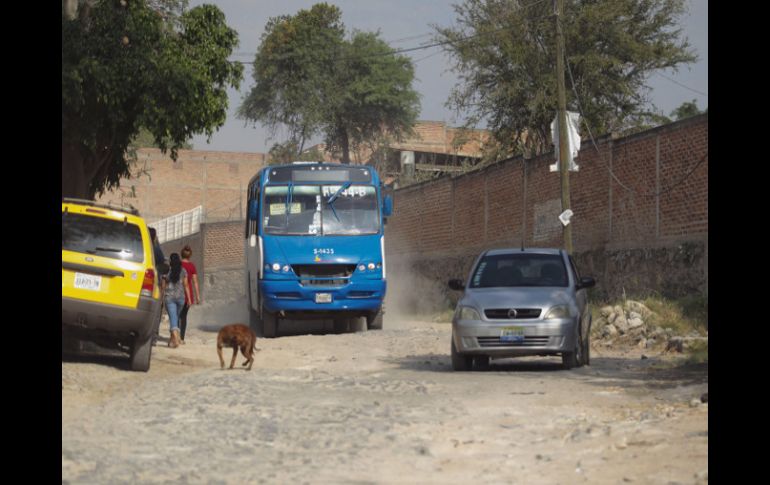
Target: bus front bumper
x,y
289,296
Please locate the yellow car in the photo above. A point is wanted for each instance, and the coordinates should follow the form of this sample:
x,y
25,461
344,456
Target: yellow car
x,y
110,290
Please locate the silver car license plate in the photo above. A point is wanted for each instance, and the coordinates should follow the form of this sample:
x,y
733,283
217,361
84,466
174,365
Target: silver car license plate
x,y
323,297
512,334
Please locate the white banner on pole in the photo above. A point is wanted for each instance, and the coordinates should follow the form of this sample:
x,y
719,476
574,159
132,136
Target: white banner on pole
x,y
573,137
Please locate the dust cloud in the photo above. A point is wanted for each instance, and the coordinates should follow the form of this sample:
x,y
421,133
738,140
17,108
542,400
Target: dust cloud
x,y
213,315
412,294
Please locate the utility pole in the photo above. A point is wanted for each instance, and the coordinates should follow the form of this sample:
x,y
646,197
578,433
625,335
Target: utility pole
x,y
562,123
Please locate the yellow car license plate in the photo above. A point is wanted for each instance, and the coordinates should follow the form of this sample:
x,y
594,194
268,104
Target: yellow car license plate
x,y
88,281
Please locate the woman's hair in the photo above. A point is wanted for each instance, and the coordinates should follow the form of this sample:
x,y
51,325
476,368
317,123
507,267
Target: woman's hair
x,y
176,267
186,252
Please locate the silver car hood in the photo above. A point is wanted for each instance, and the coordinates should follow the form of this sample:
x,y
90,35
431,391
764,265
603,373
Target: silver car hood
x,y
519,297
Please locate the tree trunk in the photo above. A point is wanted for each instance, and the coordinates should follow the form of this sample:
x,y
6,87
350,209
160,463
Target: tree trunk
x,y
345,145
73,177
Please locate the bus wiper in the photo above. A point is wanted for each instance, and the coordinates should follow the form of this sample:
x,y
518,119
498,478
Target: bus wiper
x,y
330,200
344,187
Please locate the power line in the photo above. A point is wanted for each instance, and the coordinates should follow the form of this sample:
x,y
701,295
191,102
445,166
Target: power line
x,y
409,38
580,108
655,193
685,176
680,84
421,47
427,57
407,49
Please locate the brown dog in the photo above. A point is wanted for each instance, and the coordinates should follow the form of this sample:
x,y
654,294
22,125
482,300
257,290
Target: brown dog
x,y
237,336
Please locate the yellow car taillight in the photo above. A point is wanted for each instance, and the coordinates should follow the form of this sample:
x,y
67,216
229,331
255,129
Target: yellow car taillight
x,y
148,283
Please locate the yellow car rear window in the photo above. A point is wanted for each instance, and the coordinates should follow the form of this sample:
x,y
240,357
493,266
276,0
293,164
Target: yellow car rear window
x,y
102,237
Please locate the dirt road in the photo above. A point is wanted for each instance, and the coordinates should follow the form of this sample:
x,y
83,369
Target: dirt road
x,y
380,407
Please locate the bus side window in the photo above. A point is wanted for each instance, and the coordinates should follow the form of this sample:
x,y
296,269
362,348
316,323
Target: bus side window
x,y
253,195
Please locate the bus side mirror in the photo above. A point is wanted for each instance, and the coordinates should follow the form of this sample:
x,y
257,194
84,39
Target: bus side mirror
x,y
387,206
253,210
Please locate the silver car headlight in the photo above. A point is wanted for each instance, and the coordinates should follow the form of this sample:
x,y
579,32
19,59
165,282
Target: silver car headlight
x,y
468,313
559,311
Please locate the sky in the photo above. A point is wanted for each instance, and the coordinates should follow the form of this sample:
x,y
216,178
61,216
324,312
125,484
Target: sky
x,y
409,23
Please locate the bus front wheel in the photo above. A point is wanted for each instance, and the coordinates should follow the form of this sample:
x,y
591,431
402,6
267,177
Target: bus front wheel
x,y
254,322
269,323
374,320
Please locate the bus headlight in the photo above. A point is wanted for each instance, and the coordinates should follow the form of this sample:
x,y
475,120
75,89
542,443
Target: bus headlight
x,y
276,267
371,266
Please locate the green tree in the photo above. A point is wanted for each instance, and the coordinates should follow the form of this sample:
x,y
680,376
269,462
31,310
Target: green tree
x,y
504,51
281,153
310,80
685,110
292,78
128,66
373,95
145,139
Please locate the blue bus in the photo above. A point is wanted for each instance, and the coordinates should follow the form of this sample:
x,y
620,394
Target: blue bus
x,y
315,246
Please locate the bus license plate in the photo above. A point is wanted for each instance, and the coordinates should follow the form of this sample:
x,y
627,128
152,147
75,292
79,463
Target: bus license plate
x,y
512,334
88,281
323,297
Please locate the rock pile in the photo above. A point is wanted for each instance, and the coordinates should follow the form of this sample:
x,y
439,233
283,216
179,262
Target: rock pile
x,y
634,324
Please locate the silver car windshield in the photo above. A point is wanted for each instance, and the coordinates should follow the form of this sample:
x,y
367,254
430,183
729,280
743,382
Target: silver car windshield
x,y
314,210
522,269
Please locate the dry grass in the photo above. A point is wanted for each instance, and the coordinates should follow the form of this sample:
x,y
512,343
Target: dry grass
x,y
684,315
698,353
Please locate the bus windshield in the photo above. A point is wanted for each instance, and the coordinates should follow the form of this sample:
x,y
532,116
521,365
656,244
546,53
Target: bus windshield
x,y
316,210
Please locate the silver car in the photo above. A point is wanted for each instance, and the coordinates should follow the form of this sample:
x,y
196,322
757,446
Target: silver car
x,y
520,302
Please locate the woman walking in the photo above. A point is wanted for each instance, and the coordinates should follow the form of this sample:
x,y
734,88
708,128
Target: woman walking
x,y
175,292
192,283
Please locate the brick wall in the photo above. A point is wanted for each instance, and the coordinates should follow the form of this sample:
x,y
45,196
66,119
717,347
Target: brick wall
x,y
223,244
653,212
196,245
218,257
643,230
160,187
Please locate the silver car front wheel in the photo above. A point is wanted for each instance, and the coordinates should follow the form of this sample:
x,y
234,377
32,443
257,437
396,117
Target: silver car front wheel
x,y
460,362
570,360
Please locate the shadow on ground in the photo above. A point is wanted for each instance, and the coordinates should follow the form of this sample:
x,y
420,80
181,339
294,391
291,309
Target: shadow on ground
x,y
628,373
287,328
93,354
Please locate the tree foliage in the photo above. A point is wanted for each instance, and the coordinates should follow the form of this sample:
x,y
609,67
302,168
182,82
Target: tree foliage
x,y
310,80
686,110
374,95
505,53
127,66
288,152
145,139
